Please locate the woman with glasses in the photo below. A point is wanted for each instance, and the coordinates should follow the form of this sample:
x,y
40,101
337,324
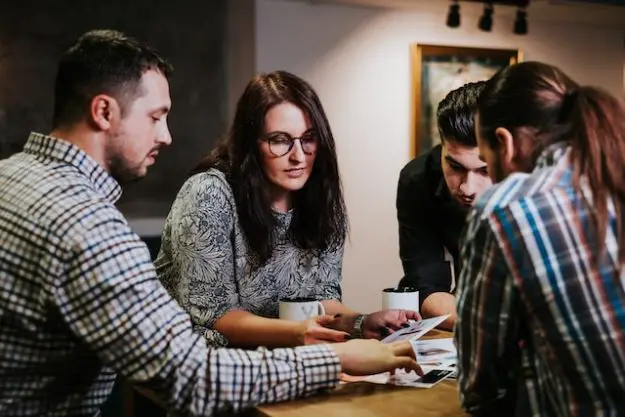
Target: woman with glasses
x,y
261,219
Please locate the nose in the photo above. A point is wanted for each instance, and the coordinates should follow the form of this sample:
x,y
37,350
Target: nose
x,y
164,136
469,185
297,153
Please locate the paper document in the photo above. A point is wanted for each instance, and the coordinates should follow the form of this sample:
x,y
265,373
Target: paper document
x,y
415,330
435,352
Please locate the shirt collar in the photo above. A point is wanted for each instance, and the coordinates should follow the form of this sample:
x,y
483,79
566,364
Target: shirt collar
x,y
57,149
552,154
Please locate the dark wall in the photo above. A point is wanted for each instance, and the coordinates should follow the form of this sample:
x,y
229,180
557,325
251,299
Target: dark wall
x,y
190,33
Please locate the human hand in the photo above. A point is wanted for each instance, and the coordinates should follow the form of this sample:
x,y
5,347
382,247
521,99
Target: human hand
x,y
316,330
366,357
382,323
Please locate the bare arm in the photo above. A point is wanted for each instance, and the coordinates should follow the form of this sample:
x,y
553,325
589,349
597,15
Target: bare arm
x,y
440,304
244,329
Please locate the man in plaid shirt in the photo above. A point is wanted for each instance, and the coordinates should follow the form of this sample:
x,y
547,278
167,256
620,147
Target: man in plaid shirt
x,y
541,296
79,299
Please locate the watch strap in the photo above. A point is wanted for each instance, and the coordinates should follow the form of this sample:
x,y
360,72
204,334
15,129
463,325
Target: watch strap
x,y
356,332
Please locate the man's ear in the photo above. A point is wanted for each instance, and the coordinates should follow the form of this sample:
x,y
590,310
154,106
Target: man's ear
x,y
103,111
505,143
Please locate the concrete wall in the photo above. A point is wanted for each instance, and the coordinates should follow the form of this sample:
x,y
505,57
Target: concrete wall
x,y
190,33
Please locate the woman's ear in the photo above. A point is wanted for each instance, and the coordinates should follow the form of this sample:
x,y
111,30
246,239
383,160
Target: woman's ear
x,y
505,143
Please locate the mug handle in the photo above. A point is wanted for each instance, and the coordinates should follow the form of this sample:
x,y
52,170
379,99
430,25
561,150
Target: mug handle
x,y
320,309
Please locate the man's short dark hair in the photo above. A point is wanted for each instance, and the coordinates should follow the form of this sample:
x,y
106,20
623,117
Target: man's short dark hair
x,y
102,62
456,114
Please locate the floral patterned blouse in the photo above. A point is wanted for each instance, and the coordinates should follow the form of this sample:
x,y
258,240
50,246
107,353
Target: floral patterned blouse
x,y
205,264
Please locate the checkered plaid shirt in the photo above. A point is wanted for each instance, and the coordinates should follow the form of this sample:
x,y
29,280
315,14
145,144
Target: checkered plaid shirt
x,y
541,312
80,302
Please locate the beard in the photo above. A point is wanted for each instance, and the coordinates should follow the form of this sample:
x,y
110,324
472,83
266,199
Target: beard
x,y
497,173
120,167
123,171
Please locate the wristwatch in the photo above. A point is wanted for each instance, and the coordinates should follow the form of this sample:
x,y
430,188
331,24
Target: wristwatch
x,y
356,332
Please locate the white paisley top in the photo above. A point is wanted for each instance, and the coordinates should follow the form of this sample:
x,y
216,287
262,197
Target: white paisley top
x,y
206,265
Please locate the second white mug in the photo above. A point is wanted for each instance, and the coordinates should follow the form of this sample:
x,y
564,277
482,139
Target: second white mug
x,y
400,299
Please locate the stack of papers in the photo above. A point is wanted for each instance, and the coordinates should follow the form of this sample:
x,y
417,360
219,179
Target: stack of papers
x,y
437,357
437,354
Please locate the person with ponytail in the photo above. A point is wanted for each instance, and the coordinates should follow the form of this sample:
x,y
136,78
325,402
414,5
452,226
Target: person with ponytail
x,y
541,298
262,218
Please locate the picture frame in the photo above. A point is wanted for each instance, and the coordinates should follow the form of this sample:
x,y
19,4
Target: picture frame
x,y
439,69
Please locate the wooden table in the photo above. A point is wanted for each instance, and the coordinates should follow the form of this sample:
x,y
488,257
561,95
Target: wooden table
x,y
362,399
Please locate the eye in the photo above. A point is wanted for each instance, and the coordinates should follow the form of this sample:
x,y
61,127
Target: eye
x,y
456,167
279,138
309,138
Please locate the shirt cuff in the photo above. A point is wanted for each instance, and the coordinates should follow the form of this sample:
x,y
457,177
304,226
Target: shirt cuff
x,y
321,368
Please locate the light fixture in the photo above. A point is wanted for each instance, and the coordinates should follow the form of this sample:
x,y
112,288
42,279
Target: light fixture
x,y
453,17
520,24
486,21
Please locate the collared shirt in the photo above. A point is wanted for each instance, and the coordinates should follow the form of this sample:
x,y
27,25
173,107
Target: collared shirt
x,y
80,302
430,221
541,311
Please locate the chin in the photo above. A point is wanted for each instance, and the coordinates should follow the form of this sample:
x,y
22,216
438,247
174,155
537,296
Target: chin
x,y
294,184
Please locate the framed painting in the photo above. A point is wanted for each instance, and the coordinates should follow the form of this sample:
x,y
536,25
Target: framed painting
x,y
437,70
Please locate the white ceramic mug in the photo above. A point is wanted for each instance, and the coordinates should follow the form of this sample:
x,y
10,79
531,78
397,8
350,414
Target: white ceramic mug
x,y
400,299
299,309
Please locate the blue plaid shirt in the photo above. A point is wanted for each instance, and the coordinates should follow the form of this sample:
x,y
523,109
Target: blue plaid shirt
x,y
541,311
80,302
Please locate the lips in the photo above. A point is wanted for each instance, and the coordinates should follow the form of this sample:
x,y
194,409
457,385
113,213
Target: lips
x,y
153,153
295,172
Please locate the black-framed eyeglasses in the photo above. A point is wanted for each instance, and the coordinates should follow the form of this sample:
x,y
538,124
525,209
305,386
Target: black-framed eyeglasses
x,y
281,143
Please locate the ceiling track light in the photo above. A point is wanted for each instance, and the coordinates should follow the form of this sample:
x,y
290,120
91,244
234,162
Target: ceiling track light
x,y
486,20
520,24
453,17
485,23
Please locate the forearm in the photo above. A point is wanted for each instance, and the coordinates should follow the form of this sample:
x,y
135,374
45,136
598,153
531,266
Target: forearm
x,y
246,330
440,304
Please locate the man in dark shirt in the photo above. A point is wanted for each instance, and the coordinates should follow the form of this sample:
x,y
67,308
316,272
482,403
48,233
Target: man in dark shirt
x,y
434,193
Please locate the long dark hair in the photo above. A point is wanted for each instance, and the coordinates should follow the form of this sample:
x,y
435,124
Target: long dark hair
x,y
319,217
540,105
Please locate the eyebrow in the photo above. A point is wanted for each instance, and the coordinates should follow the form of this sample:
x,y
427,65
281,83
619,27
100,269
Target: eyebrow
x,y
277,132
161,110
452,161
